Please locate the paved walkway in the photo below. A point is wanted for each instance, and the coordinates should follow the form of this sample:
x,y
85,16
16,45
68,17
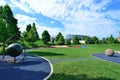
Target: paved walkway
x,y
115,58
32,68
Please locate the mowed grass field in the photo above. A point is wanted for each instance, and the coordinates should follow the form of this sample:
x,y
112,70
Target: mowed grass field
x,y
78,64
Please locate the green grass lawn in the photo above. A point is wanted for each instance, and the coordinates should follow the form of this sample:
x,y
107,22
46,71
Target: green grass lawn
x,y
78,64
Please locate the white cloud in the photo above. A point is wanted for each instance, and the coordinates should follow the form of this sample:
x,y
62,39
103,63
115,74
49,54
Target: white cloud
x,y
78,16
2,2
22,5
52,31
24,20
60,9
101,29
113,14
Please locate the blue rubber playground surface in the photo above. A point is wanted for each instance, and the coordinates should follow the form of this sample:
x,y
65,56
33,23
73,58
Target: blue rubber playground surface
x,y
115,58
32,68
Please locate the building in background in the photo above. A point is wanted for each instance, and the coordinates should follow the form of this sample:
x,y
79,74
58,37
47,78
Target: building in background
x,y
71,37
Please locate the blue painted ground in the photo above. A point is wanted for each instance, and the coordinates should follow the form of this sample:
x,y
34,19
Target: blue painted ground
x,y
32,68
115,58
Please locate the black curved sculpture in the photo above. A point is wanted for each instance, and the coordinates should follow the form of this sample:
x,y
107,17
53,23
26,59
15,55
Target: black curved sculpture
x,y
14,50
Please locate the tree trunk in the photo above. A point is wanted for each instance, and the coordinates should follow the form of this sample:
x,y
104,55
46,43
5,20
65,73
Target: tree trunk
x,y
3,50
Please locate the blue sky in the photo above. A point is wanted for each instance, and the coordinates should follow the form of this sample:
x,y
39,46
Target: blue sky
x,y
99,18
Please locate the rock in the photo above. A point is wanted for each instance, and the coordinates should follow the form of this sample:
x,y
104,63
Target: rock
x,y
109,52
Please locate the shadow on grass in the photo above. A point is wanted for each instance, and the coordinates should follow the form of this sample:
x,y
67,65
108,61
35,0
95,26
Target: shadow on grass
x,y
45,53
76,77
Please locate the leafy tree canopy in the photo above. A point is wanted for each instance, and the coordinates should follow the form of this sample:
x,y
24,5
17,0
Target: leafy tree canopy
x,y
45,36
61,40
58,36
31,34
75,40
111,39
8,24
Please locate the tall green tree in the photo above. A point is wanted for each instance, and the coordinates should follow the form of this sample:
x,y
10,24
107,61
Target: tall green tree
x,y
31,34
91,40
87,39
28,27
68,42
8,26
36,36
58,36
45,36
95,40
75,40
61,40
103,41
111,39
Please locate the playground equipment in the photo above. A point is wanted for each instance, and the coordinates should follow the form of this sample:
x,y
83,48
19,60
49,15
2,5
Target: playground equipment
x,y
14,50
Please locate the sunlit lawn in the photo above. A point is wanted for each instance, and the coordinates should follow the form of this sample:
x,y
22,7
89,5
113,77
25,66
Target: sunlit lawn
x,y
78,64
